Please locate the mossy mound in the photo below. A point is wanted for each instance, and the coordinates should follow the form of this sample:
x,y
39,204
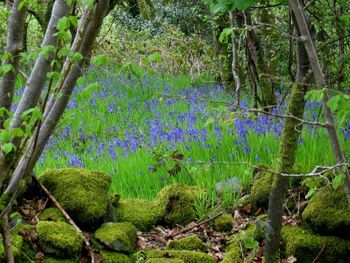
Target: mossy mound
x,y
192,243
82,193
120,237
306,246
185,255
142,213
178,204
114,257
55,260
223,223
328,213
59,238
17,242
51,214
165,260
260,190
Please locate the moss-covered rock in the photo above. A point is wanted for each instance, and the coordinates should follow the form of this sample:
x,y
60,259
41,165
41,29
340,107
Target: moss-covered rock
x,y
233,252
185,255
192,243
55,260
114,257
260,190
164,260
17,242
142,213
328,213
223,223
306,246
178,204
120,237
83,193
51,214
59,238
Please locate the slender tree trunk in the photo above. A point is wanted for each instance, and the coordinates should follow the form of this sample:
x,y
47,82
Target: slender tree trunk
x,y
6,236
321,83
288,148
14,47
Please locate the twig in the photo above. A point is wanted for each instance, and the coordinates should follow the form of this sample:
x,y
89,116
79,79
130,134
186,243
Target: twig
x,y
319,254
188,228
68,218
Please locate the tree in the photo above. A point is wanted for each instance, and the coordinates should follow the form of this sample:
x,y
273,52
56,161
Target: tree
x,y
25,133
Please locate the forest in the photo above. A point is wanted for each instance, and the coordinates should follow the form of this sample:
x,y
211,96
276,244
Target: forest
x,y
198,131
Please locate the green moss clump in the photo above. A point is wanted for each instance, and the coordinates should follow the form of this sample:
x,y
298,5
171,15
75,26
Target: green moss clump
x,y
178,204
114,257
51,214
142,213
164,260
192,243
59,238
82,193
55,260
328,213
233,253
120,237
305,246
17,242
185,255
260,190
223,223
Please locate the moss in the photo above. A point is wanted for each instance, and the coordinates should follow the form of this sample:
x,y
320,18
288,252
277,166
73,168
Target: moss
x,y
223,223
192,243
55,260
185,255
81,192
305,245
142,213
164,260
51,214
328,213
260,191
120,237
59,238
233,253
17,242
178,204
113,257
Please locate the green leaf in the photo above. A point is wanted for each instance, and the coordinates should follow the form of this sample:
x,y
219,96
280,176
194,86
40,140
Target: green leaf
x,y
74,21
315,95
225,34
46,51
8,147
155,57
334,102
3,110
89,2
17,132
63,24
63,52
4,136
76,56
100,60
81,81
6,68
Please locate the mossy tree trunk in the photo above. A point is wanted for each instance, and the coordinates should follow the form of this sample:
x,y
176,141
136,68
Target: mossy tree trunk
x,y
288,148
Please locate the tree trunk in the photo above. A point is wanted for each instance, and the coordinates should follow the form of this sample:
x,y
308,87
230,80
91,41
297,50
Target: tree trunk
x,y
321,83
288,148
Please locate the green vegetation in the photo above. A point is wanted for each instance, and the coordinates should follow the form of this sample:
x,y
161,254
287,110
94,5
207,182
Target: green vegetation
x,y
185,255
191,243
223,223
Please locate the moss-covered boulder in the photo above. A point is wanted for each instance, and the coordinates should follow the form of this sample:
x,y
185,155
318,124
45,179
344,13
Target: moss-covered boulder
x,y
260,190
178,204
59,238
142,213
82,193
185,255
17,242
114,257
233,253
55,260
306,246
120,237
223,223
192,243
328,213
164,260
51,214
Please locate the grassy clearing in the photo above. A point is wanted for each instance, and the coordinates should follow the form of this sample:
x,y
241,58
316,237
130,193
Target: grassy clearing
x,y
122,126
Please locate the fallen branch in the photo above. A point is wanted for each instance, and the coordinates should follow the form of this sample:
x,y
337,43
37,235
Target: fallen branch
x,y
190,227
68,218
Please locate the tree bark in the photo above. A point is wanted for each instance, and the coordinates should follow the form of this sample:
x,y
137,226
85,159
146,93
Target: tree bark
x,y
321,83
288,148
6,236
14,48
